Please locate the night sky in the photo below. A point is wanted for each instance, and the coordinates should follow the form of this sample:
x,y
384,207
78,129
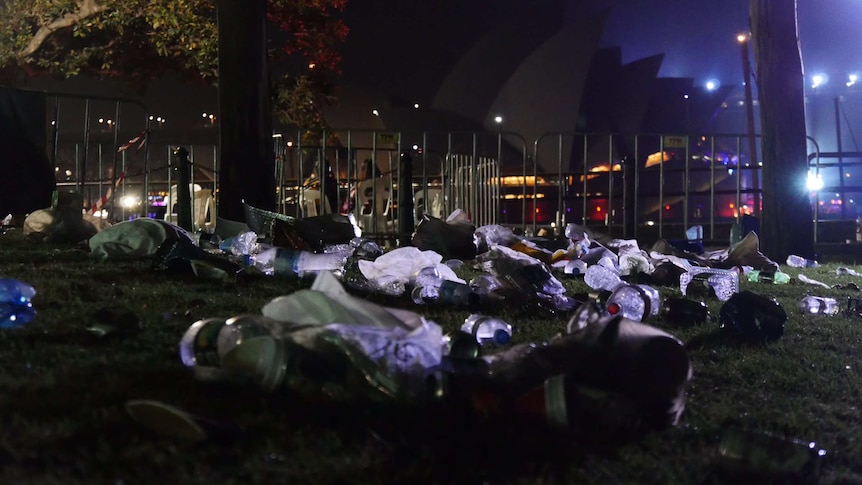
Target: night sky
x,y
393,43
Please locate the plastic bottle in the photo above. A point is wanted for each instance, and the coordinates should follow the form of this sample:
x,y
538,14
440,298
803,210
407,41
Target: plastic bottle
x,y
752,317
291,262
448,293
599,277
702,282
635,302
15,305
487,330
800,262
576,267
485,285
819,305
683,311
241,244
761,457
774,277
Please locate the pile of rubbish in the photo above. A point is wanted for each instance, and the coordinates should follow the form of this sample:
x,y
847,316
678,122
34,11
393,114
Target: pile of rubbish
x,y
608,371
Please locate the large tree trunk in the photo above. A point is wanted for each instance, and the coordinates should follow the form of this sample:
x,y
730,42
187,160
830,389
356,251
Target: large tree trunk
x,y
245,133
787,226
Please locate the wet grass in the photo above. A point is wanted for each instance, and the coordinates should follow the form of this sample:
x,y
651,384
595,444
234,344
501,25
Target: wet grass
x,y
63,388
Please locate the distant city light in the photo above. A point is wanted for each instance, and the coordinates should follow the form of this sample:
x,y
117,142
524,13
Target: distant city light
x,y
685,96
851,79
415,147
203,115
498,119
415,105
818,80
128,201
711,85
741,38
375,112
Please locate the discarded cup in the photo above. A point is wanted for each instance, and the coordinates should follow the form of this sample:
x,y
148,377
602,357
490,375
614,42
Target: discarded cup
x,y
683,311
487,330
752,317
819,305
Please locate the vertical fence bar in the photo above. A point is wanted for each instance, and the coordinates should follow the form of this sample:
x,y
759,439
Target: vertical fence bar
x,y
661,188
686,186
712,189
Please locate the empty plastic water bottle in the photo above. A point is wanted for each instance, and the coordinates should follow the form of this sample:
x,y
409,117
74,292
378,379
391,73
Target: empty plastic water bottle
x,y
487,330
576,267
702,282
599,277
15,306
819,305
751,456
800,262
292,262
635,302
841,271
241,244
447,292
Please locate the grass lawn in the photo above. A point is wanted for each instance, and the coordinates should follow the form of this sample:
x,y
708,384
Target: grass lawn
x,y
63,389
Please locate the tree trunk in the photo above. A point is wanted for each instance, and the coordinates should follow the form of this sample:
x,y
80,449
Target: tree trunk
x,y
787,226
245,127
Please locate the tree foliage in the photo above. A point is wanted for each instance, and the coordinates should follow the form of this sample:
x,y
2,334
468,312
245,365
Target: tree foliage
x,y
138,40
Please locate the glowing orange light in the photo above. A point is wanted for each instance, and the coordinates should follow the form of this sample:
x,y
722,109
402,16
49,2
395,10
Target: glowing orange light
x,y
598,208
730,205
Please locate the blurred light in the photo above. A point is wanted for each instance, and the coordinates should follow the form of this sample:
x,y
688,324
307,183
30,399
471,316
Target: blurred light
x,y
818,80
151,117
101,120
814,182
53,122
741,38
290,143
711,85
375,112
498,119
128,201
415,105
415,147
650,223
851,79
203,115
311,65
685,96
68,173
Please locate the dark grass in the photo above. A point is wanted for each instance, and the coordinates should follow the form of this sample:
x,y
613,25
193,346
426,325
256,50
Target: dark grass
x,y
63,388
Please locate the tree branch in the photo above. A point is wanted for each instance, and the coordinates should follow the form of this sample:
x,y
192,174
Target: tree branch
x,y
86,9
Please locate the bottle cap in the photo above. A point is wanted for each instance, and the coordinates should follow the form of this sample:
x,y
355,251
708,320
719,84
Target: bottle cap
x,y
199,345
501,336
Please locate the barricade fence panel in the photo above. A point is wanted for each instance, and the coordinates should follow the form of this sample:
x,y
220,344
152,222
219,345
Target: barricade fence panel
x,y
625,185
